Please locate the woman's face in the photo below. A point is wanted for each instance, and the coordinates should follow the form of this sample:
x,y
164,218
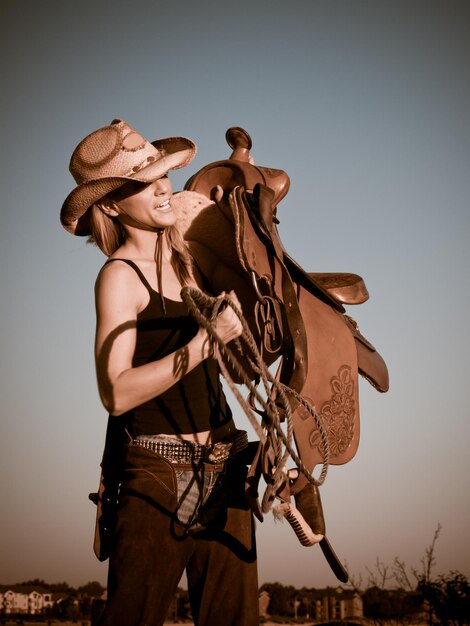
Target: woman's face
x,y
145,204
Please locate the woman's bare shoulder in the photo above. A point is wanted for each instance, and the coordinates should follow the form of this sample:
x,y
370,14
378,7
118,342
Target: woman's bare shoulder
x,y
118,283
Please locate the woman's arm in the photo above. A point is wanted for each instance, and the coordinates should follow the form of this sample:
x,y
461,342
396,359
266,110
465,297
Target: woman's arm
x,y
119,296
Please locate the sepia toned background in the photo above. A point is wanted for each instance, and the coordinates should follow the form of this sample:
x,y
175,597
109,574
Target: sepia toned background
x,y
366,105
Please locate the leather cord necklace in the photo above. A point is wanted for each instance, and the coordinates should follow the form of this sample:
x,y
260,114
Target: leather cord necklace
x,y
158,257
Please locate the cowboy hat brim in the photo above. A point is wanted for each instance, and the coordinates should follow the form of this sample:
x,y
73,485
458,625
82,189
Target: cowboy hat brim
x,y
179,151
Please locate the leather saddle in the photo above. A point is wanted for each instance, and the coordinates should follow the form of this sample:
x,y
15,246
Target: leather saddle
x,y
229,218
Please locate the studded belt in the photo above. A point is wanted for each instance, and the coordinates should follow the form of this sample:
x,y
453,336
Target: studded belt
x,y
190,452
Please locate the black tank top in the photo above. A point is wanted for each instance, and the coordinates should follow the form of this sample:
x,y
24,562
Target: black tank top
x,y
196,402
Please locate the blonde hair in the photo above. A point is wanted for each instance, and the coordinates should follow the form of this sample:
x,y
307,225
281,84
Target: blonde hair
x,y
108,234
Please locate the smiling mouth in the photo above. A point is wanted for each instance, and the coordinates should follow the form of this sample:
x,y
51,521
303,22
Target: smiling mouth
x,y
164,206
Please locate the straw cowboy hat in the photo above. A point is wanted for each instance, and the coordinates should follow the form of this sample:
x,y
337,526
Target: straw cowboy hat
x,y
108,158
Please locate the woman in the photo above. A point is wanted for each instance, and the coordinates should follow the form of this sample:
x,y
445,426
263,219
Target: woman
x,y
175,453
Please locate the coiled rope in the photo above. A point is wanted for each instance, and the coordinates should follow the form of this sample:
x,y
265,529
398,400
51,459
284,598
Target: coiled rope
x,y
205,310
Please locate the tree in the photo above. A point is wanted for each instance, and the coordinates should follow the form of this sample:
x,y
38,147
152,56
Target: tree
x,y
401,575
92,589
384,605
448,598
35,582
281,599
376,604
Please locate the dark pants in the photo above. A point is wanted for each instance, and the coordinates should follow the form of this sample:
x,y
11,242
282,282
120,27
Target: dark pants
x,y
151,549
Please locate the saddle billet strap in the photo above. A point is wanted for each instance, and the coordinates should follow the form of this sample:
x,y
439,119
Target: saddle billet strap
x,y
338,569
307,520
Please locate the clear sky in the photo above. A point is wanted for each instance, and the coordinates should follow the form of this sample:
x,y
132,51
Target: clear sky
x,y
366,105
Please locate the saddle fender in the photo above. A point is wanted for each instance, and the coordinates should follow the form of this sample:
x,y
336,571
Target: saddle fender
x,y
331,386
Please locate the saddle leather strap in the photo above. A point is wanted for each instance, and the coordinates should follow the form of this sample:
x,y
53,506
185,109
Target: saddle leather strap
x,y
253,238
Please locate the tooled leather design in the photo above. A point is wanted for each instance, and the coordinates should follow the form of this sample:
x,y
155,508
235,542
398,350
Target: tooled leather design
x,y
337,414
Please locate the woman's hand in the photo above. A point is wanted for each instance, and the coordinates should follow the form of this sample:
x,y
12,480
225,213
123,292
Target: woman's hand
x,y
228,325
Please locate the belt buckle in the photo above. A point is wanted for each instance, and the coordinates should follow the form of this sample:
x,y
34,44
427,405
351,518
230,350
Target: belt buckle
x,y
219,452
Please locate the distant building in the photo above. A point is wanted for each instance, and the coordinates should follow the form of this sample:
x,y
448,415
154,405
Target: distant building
x,y
316,604
335,603
28,599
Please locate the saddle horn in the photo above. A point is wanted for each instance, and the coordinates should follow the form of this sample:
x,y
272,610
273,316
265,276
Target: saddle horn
x,y
240,142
